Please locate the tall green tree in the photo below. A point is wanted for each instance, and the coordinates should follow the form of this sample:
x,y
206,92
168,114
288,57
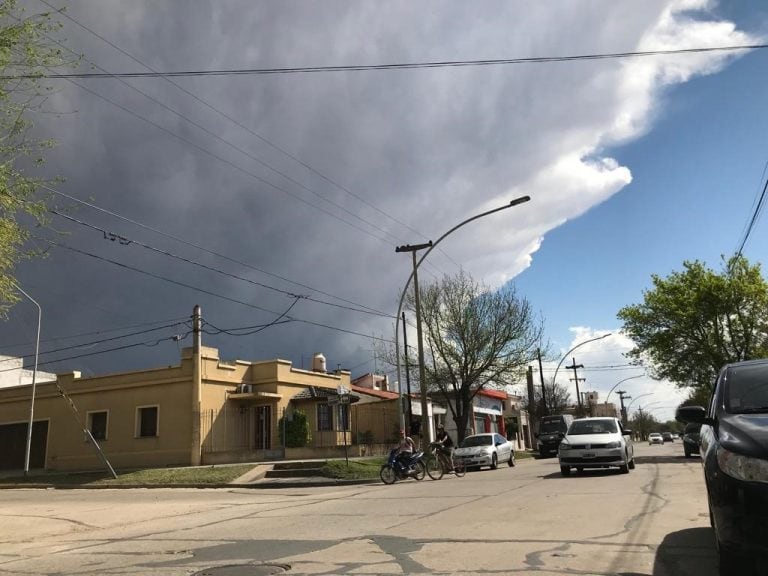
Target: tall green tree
x,y
26,53
694,321
474,338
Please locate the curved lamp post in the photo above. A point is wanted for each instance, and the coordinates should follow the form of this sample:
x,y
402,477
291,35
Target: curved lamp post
x,y
638,398
414,275
619,382
34,379
554,378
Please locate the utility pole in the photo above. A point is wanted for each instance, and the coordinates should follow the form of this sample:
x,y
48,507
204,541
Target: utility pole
x,y
531,398
574,367
425,430
195,456
623,410
407,377
544,409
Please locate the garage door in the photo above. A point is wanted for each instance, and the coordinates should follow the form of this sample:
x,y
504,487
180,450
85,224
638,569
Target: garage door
x,y
13,445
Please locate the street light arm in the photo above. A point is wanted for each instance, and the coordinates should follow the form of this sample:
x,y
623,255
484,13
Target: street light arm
x,y
636,398
619,382
515,202
554,378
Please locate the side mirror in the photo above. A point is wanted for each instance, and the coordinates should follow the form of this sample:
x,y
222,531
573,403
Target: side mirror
x,y
691,415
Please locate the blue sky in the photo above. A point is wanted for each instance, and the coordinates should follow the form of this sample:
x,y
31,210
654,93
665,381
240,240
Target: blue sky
x,y
695,177
633,166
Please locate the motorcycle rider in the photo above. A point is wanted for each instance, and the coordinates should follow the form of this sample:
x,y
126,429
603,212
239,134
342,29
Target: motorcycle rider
x,y
404,451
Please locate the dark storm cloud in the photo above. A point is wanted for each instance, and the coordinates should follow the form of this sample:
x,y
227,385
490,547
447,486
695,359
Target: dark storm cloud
x,y
427,148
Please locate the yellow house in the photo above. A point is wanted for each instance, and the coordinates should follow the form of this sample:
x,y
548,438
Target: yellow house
x,y
202,411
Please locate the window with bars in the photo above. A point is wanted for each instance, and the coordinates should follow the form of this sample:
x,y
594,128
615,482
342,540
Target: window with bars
x,y
324,417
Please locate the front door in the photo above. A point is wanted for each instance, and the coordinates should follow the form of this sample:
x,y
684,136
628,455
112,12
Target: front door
x,y
263,427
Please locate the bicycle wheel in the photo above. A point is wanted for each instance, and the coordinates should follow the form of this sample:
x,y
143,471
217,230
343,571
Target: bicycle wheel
x,y
419,470
434,468
459,469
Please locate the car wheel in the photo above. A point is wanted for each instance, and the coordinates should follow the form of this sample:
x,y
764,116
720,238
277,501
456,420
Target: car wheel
x,y
632,464
687,452
624,468
494,462
565,470
511,461
579,470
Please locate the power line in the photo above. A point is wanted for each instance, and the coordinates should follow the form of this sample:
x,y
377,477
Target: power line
x,y
126,241
204,249
97,342
94,332
204,291
381,67
758,208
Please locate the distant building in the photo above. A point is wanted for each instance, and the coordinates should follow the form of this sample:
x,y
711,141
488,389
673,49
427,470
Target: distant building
x,y
13,373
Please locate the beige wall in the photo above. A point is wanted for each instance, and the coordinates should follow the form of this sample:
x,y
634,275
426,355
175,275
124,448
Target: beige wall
x,y
228,426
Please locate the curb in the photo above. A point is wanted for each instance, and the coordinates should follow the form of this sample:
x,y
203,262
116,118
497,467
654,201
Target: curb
x,y
263,484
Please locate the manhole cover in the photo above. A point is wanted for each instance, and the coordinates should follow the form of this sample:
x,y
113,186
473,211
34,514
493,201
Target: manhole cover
x,y
243,570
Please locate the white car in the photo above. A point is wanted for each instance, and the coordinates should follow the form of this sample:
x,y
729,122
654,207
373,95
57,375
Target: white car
x,y
485,450
596,443
655,438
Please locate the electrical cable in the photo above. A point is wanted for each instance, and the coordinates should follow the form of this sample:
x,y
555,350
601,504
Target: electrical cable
x,y
380,67
202,290
127,241
206,250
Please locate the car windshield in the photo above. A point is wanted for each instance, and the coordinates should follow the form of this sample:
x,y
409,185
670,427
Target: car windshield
x,y
472,441
592,427
655,435
550,426
747,389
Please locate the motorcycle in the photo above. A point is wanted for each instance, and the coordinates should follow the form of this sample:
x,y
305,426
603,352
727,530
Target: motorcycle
x,y
394,470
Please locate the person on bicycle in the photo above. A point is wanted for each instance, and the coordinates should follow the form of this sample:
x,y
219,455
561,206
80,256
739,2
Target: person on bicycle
x,y
446,444
404,450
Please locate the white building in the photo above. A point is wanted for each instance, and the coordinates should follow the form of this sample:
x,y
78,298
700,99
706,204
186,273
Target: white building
x,y
13,373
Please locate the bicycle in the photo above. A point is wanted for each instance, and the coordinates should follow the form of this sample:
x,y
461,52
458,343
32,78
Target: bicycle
x,y
439,463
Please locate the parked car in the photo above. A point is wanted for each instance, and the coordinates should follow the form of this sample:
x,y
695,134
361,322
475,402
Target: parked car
x,y
596,443
655,438
551,431
734,455
485,450
691,439
667,437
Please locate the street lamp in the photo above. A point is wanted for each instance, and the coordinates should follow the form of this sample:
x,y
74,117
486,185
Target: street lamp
x,y
416,263
619,382
638,398
34,379
554,378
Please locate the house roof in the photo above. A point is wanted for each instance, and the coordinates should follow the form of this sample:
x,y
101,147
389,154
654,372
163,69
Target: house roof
x,y
383,394
493,393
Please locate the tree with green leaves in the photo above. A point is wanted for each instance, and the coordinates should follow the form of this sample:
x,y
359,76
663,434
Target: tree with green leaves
x,y
475,338
26,53
693,322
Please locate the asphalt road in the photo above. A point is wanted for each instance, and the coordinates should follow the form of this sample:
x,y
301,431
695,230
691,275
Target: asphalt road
x,y
526,519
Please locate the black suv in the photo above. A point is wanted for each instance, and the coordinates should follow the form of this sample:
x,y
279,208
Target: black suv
x,y
691,439
734,454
